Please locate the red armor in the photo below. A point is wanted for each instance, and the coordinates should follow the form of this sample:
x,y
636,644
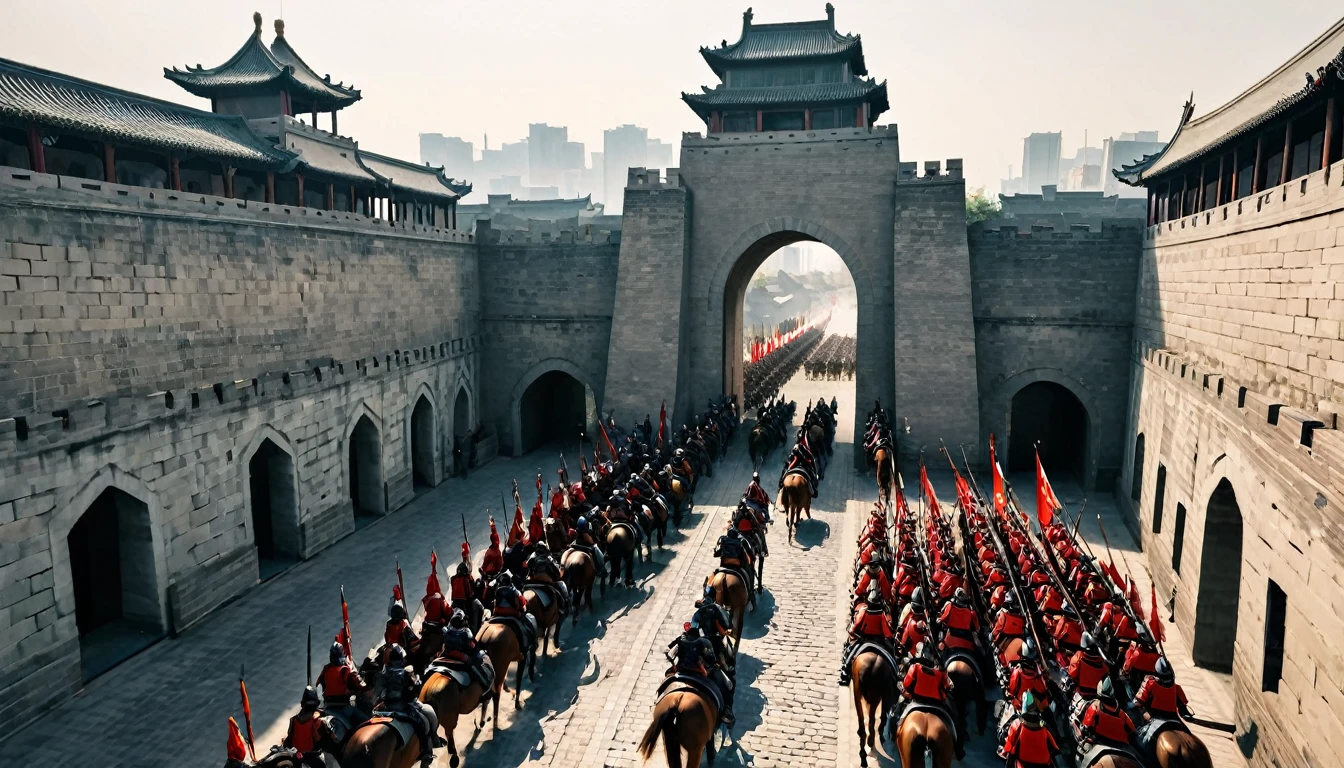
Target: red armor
x,y
883,585
872,624
1110,724
1087,673
924,683
460,587
1027,679
1164,700
1030,746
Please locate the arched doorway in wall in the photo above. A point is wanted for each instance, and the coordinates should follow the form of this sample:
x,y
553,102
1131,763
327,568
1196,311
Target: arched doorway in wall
x,y
1048,415
112,569
462,426
365,478
273,498
555,407
422,443
1219,581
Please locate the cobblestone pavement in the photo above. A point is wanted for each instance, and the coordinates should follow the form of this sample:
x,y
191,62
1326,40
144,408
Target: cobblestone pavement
x,y
592,699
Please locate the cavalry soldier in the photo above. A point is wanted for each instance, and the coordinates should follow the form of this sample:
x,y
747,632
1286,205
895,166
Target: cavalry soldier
x,y
398,630
1116,619
1141,658
1067,631
693,655
961,622
464,591
1049,599
914,630
536,524
948,580
926,683
1104,721
1160,696
1094,594
308,733
509,602
339,680
874,577
493,562
1029,744
733,552
1087,668
876,551
757,495
907,575
1009,623
541,569
714,622
801,458
584,539
871,625
397,697
460,645
1026,680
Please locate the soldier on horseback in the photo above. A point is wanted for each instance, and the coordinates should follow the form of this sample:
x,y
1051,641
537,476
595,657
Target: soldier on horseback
x,y
459,644
925,680
1026,679
1009,623
801,458
397,699
1029,743
397,631
308,734
509,603
873,577
693,656
464,591
585,540
541,569
713,620
734,552
1088,668
1103,720
962,623
757,496
871,625
1160,696
339,681
493,561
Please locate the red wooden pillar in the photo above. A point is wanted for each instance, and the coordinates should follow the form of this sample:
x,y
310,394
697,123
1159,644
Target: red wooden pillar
x,y
807,119
1200,202
1287,153
1236,174
109,163
331,196
37,155
1259,163
175,173
299,177
860,119
270,186
759,121
1218,194
1329,132
1185,192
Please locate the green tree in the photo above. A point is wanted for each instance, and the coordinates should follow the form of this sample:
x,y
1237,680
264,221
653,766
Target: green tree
x,y
980,207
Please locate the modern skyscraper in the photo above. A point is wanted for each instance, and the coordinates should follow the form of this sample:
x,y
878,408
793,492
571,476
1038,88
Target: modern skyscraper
x,y
1040,161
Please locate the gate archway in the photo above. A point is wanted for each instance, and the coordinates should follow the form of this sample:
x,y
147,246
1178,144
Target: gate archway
x,y
364,478
1219,581
422,442
551,402
273,503
1049,414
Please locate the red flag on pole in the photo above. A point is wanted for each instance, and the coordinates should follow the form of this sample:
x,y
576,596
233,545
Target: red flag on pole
x,y
662,423
901,506
1046,501
247,717
432,586
345,625
1000,496
1135,601
928,490
236,749
964,497
606,439
1154,620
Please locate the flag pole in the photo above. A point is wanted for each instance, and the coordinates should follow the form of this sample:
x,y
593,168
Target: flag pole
x,y
310,655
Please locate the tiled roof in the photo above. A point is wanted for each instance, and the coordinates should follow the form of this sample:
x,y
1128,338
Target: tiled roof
x,y
762,43
1291,84
409,177
812,95
254,64
60,103
336,157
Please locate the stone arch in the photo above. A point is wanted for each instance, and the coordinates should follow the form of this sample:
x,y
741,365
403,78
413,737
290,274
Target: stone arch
x,y
1012,386
461,422
726,291
1220,563
142,593
362,451
422,436
529,377
273,521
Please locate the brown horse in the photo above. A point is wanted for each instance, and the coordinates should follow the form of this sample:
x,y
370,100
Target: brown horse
x,y
1181,749
1113,761
578,571
884,473
873,682
501,645
376,745
548,619
920,734
796,499
967,689
450,700
730,591
685,720
621,549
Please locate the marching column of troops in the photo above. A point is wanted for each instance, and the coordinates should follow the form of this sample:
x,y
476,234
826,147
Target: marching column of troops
x,y
416,681
763,379
833,359
946,596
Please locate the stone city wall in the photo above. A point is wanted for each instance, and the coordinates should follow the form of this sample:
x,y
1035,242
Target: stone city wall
x,y
1057,306
548,305
1237,376
156,347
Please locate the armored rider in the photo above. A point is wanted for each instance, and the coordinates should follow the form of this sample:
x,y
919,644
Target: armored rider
x,y
584,539
460,645
397,698
693,656
871,625
308,733
541,569
339,680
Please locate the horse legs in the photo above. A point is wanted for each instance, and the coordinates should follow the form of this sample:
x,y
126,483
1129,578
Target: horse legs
x,y
453,759
858,715
760,573
517,691
555,631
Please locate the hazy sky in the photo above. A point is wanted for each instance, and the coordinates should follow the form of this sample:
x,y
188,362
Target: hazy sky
x,y
966,78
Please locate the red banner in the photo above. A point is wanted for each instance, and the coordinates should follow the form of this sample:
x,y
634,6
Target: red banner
x,y
927,487
1154,620
1000,496
1046,501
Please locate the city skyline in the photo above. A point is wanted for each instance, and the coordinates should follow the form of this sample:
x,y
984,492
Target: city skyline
x,y
946,96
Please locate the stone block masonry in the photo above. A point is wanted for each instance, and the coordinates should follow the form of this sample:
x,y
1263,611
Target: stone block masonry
x,y
546,306
161,350
1057,306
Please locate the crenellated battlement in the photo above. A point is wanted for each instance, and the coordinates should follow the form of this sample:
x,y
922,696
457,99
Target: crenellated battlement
x,y
652,178
545,232
28,187
91,419
1098,230
908,172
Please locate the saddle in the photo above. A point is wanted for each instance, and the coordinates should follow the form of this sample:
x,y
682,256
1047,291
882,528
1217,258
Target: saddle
x,y
524,632
545,592
339,721
936,709
460,672
627,525
1096,752
868,646
739,571
701,685
399,722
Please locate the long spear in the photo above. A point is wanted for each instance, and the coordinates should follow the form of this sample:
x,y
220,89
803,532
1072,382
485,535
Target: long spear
x,y
247,713
310,653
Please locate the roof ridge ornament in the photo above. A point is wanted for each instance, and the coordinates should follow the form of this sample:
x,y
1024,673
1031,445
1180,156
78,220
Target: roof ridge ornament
x,y
279,27
746,18
830,15
256,21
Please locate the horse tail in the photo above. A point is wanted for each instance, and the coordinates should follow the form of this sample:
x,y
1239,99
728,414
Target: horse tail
x,y
917,746
662,725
